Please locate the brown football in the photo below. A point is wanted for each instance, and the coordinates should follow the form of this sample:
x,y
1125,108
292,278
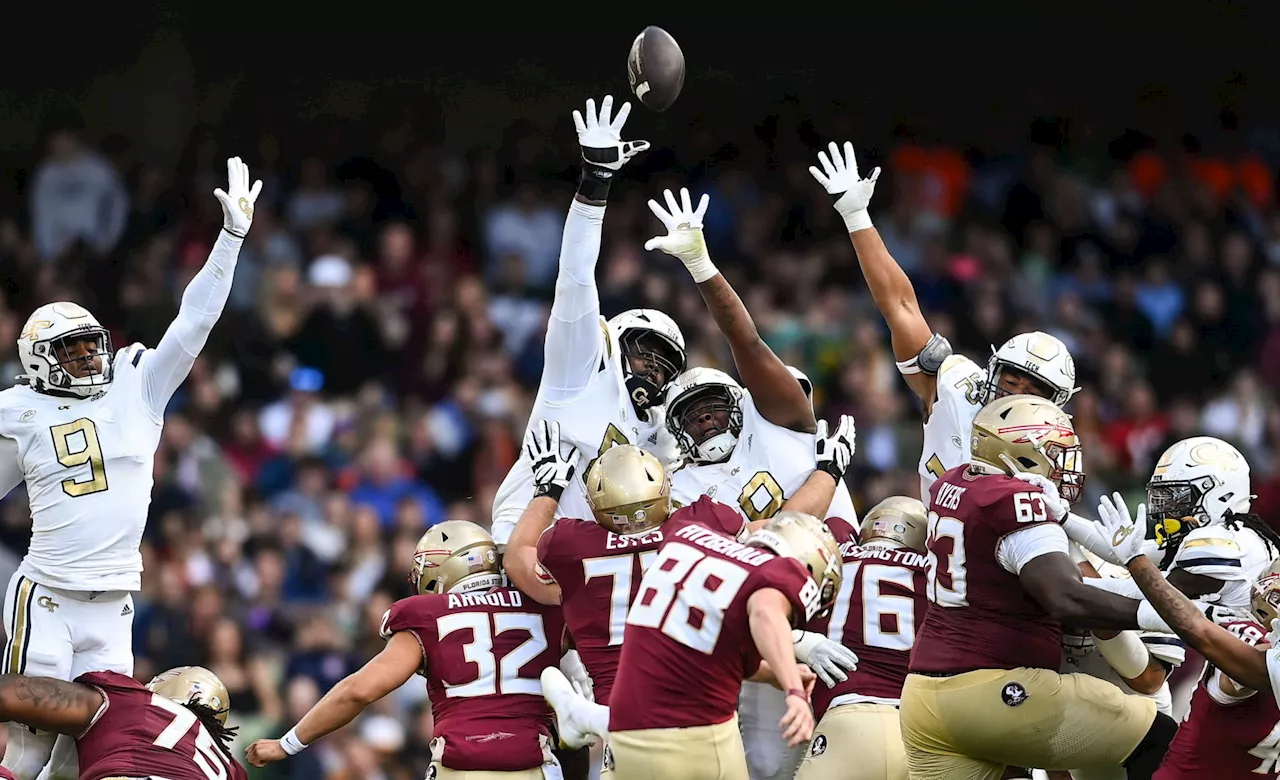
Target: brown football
x,y
655,68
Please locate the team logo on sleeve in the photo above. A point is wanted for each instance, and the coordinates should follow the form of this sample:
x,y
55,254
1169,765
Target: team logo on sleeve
x,y
1013,694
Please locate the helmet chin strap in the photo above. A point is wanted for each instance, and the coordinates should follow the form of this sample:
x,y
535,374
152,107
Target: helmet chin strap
x,y
643,393
716,448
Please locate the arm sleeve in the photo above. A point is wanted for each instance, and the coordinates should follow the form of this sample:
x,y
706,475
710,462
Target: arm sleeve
x,y
572,349
1024,546
169,363
11,474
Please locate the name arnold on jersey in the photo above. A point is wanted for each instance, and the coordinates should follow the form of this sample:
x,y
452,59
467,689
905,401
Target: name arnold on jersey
x,y
502,598
710,540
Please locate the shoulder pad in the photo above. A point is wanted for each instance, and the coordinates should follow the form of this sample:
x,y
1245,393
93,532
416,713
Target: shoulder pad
x,y
956,366
1166,647
130,355
1213,552
960,382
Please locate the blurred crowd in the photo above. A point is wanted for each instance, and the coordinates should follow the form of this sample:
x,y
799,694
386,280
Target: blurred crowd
x,y
374,369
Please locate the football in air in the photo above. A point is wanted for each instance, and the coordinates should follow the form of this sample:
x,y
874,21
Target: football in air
x,y
655,68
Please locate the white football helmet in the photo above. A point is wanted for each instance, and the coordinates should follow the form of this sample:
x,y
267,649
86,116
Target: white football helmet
x,y
715,445
628,330
50,328
1040,355
1197,482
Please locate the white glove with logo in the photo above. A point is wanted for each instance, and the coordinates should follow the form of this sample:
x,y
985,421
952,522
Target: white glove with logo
x,y
238,199
1054,503
603,150
684,233
552,471
839,177
573,669
1124,535
829,660
833,452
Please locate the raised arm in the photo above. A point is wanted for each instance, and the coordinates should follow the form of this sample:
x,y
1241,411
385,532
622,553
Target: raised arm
x,y
552,472
166,367
775,391
48,704
572,349
1239,661
889,285
388,670
832,455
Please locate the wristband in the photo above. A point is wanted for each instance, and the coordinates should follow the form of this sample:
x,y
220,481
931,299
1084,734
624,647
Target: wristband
x,y
1125,652
550,490
290,743
593,184
797,692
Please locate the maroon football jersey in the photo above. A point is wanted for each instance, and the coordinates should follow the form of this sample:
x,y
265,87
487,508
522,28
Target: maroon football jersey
x,y
981,617
1227,741
5,774
688,644
138,733
881,602
599,575
483,653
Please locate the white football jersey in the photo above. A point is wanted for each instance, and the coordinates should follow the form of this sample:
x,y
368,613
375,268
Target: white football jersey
x,y
767,466
1165,647
1234,556
87,464
597,419
949,429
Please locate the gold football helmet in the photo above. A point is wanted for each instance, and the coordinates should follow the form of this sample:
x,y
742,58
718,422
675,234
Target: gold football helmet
x,y
808,540
1266,595
455,555
896,519
1028,433
629,490
184,683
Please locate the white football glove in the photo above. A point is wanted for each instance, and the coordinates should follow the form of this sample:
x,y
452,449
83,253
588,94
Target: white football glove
x,y
573,669
1124,535
839,177
1273,636
552,471
833,452
238,199
1054,503
829,660
600,135
684,233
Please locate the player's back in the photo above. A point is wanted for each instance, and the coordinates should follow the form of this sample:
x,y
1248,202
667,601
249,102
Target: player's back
x,y
767,466
483,653
601,417
947,432
88,469
1225,737
982,617
876,614
138,733
599,575
688,643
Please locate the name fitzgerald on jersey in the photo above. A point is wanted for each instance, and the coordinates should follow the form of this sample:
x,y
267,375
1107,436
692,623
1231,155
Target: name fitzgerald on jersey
x,y
710,540
502,598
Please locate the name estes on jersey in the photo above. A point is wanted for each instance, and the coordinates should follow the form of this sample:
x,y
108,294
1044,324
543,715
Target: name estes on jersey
x,y
87,464
768,465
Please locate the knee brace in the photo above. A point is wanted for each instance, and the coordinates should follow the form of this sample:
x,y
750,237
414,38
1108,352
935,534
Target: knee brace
x,y
28,751
1145,759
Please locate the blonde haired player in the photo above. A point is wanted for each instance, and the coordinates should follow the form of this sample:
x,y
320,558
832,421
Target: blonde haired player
x,y
602,381
81,429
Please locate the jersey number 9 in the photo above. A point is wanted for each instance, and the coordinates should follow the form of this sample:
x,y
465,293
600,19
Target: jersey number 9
x,y
76,444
